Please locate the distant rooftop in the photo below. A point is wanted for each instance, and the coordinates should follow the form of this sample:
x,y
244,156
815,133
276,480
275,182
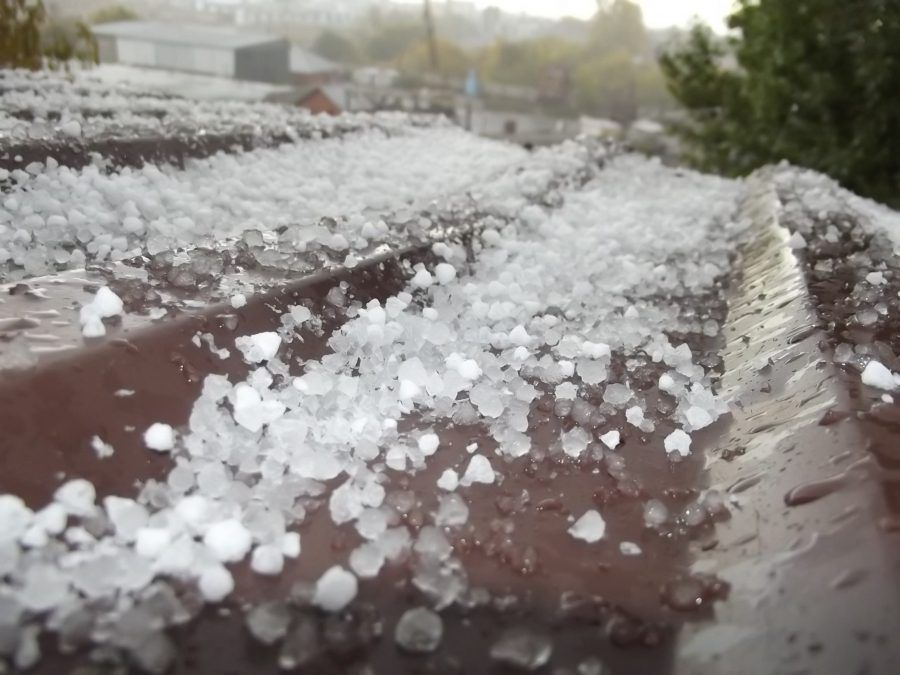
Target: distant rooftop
x,y
186,34
189,85
305,61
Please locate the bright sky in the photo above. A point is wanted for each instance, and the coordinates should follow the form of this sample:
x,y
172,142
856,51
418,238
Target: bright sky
x,y
657,13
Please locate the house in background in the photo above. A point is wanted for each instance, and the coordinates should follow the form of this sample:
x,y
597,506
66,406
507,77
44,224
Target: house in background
x,y
308,68
209,50
328,99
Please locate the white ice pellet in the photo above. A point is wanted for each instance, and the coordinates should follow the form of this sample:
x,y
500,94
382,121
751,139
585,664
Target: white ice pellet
x,y
667,383
678,441
575,441
634,416
71,128
228,540
444,273
267,560
77,497
103,305
259,347
15,517
698,417
366,560
519,336
101,448
611,439
452,511
251,411
408,389
875,278
51,519
629,548
335,589
422,278
875,374
797,241
590,527
595,350
290,545
215,583
469,369
238,300
106,303
419,631
150,542
194,511
478,471
449,480
126,515
159,437
92,326
428,444
300,314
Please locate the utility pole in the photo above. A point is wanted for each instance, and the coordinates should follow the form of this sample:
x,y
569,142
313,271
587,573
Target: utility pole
x,y
432,40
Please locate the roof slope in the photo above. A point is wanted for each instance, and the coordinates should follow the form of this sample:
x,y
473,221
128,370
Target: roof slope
x,y
185,34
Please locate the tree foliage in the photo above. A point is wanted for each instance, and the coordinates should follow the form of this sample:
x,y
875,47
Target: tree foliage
x,y
389,41
816,82
334,46
452,61
113,13
522,62
20,33
28,39
618,26
611,72
617,74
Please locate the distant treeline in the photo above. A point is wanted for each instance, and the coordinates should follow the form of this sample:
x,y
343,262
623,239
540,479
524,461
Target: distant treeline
x,y
607,67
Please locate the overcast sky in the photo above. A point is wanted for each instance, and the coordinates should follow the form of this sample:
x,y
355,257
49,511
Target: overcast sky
x,y
657,13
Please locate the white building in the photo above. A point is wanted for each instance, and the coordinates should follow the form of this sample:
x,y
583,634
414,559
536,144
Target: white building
x,y
211,50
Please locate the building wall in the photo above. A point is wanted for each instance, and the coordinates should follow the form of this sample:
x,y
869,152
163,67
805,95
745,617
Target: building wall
x,y
187,58
107,49
268,62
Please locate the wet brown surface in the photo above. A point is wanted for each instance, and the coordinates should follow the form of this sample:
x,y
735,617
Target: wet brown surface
x,y
132,151
515,544
815,579
813,576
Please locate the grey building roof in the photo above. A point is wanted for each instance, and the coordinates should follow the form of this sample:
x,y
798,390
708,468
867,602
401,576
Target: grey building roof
x,y
182,34
307,62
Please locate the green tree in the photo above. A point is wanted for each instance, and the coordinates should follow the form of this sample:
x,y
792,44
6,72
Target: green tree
x,y
113,13
20,33
65,41
452,61
618,26
334,46
618,76
815,82
28,39
526,61
389,41
606,85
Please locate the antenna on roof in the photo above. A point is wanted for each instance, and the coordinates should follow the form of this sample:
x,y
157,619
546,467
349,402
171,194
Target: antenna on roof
x,y
432,40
